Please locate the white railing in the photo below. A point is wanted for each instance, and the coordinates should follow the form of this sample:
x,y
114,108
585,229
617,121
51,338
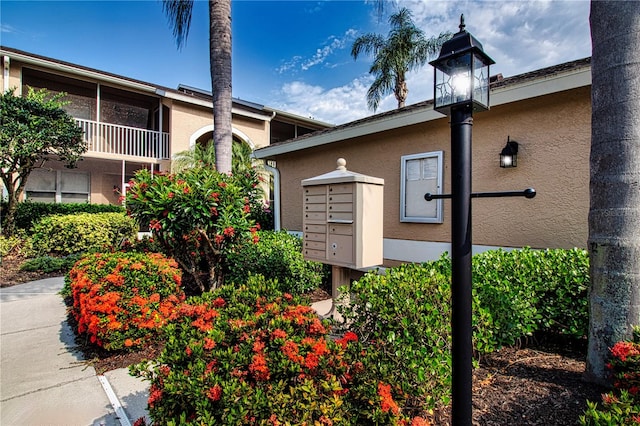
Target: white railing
x,y
114,139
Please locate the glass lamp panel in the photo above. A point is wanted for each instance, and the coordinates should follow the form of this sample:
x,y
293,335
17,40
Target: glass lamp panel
x,y
480,82
453,81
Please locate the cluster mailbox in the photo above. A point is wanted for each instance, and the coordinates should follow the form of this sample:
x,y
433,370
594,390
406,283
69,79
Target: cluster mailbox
x,y
342,218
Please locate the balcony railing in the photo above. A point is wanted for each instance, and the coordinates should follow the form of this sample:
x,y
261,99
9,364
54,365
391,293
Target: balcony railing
x,y
113,139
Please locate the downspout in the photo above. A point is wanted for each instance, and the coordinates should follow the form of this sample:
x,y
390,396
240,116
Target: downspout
x,y
5,75
276,196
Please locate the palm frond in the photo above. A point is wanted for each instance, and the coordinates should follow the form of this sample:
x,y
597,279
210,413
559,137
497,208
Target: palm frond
x,y
179,14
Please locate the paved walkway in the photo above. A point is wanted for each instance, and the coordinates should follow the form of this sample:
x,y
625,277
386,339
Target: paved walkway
x,y
43,377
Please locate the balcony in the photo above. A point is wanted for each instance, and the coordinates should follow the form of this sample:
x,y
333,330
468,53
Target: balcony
x,y
115,141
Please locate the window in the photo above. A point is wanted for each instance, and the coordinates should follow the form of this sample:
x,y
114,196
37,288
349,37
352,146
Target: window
x,y
420,174
51,186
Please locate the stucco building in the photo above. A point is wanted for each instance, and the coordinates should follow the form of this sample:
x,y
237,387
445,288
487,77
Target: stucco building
x,y
130,124
547,112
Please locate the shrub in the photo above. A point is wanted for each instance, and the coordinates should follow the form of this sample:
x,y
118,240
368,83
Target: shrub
x,y
29,213
519,292
198,215
81,232
253,355
278,256
403,320
122,300
48,264
9,244
621,406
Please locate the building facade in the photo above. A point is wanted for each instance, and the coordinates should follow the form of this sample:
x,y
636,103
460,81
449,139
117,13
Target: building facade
x,y
130,125
547,112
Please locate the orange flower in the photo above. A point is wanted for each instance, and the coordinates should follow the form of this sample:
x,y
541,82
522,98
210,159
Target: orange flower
x,y
278,334
290,349
209,343
258,368
386,400
419,421
214,393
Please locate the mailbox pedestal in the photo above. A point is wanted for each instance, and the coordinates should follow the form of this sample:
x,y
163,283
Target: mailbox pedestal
x,y
342,221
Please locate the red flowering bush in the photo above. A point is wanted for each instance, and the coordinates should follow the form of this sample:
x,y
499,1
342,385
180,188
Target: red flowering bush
x,y
122,300
252,355
622,405
197,215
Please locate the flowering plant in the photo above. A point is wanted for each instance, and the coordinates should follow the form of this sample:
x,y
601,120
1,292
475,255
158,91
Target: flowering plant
x,y
622,405
197,215
252,355
122,300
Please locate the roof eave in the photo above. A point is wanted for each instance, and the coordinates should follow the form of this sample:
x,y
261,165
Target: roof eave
x,y
508,93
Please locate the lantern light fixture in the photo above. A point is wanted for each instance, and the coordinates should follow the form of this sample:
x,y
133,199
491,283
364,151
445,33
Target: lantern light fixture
x,y
461,73
509,154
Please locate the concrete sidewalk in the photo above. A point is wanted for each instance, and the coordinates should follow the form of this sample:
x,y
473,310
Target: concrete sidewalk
x,y
43,377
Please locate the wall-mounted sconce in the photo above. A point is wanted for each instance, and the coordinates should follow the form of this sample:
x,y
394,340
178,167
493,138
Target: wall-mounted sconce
x,y
509,154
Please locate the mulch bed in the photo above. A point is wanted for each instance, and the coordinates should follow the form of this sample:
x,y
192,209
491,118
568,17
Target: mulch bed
x,y
537,385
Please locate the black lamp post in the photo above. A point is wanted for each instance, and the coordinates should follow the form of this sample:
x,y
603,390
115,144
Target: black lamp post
x,y
461,86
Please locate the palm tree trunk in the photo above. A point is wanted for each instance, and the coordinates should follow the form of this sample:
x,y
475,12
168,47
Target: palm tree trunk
x,y
614,215
220,46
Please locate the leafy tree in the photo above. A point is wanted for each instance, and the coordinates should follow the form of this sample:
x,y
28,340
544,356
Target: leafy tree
x,y
614,214
33,130
404,50
179,13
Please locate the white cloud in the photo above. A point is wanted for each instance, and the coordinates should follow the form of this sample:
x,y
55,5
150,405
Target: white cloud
x,y
4,28
521,36
321,56
335,105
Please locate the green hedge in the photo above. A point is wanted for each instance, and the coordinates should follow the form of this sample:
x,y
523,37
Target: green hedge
x,y
82,232
29,213
276,255
523,291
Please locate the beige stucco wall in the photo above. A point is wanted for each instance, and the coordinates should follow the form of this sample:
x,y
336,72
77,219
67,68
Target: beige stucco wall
x,y
15,80
554,136
188,120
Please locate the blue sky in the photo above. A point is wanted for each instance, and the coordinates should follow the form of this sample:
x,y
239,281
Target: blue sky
x,y
290,55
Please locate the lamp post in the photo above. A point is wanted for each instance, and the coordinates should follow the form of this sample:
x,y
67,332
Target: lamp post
x,y
461,86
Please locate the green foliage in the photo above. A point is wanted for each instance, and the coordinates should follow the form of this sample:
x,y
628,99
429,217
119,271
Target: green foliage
x,y
405,49
33,129
246,355
252,355
28,213
83,232
622,405
278,256
49,264
9,244
519,292
198,215
122,300
403,320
